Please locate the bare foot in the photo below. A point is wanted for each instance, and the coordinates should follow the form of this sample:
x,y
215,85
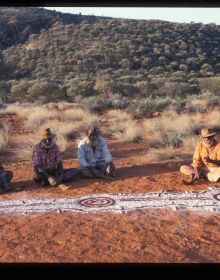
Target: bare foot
x,y
64,187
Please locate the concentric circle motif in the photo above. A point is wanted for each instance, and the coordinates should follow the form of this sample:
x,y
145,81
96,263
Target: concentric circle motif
x,y
97,202
217,196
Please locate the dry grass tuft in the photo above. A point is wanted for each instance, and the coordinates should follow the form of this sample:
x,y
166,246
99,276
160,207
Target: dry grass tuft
x,y
161,154
123,127
128,131
61,142
197,105
170,130
4,136
190,142
213,120
39,115
26,145
118,116
27,142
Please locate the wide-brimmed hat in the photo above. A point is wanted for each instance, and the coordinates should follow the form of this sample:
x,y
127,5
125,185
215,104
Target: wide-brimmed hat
x,y
207,132
46,133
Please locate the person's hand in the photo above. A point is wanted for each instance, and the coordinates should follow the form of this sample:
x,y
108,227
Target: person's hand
x,y
207,159
197,173
52,181
110,169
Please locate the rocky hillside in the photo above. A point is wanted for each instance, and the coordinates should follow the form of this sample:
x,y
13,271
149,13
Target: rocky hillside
x,y
16,24
93,56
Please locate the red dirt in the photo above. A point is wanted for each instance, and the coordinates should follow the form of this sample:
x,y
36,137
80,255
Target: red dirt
x,y
160,235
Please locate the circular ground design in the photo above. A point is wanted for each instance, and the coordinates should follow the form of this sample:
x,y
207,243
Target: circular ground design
x,y
97,202
217,196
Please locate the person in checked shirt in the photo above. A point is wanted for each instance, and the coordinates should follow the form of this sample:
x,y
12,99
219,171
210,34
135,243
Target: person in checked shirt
x,y
47,162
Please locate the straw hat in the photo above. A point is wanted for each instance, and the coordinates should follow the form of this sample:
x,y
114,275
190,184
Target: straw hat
x,y
207,132
46,133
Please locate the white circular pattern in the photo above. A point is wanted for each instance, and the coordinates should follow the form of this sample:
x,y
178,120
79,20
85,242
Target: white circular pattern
x,y
97,202
208,200
217,196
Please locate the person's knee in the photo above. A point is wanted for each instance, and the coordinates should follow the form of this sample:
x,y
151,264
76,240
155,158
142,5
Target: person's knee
x,y
38,177
213,177
183,168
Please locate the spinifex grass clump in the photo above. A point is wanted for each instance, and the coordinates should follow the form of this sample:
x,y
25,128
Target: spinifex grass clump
x,y
4,136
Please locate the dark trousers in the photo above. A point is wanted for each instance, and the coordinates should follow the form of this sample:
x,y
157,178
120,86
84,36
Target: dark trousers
x,y
8,178
93,172
68,175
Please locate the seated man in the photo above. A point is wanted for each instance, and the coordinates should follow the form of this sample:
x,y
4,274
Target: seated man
x,y
206,159
94,157
47,162
5,179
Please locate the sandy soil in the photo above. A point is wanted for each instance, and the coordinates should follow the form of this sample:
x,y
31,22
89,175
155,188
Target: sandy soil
x,y
153,235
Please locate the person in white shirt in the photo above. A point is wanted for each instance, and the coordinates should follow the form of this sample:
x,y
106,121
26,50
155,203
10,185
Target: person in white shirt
x,y
94,157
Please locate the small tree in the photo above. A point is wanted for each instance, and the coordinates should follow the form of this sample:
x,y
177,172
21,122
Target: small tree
x,y
48,91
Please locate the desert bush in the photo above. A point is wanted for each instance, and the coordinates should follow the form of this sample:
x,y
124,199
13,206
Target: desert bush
x,y
50,106
126,131
26,145
4,135
213,101
5,94
22,110
197,105
117,101
66,129
210,84
75,114
147,107
39,115
190,142
118,116
170,130
174,89
20,89
213,120
65,105
80,115
96,104
84,88
46,91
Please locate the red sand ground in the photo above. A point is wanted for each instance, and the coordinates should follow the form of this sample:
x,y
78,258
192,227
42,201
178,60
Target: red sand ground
x,y
160,235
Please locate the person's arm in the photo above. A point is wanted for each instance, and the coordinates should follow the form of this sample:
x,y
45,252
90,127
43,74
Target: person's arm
x,y
36,162
36,159
81,156
209,160
197,159
59,160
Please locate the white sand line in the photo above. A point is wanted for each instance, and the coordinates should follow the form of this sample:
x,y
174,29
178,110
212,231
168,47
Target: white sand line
x,y
208,200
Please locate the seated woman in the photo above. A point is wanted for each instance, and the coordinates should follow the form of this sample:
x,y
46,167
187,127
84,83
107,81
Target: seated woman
x,y
94,158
